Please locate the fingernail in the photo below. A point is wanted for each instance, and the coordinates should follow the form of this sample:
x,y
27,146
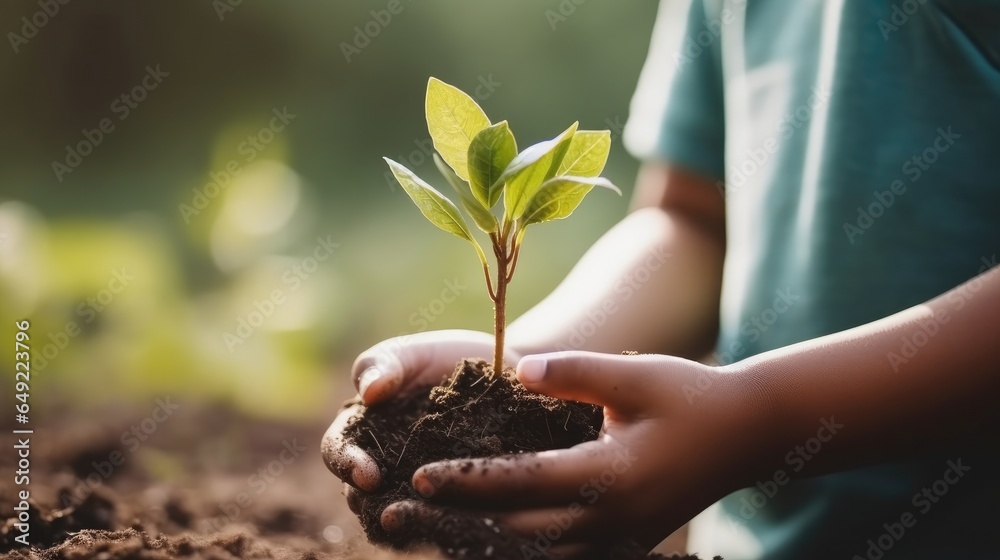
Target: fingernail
x,y
531,369
361,479
423,487
369,376
392,519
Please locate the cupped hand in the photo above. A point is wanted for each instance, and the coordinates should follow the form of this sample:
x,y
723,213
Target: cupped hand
x,y
677,436
397,365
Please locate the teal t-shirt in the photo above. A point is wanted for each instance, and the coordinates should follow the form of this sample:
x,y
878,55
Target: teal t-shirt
x,y
859,142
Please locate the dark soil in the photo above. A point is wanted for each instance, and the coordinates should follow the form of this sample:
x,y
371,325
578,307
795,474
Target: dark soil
x,y
473,414
176,496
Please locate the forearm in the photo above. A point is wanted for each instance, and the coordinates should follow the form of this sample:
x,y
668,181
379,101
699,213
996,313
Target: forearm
x,y
651,284
917,382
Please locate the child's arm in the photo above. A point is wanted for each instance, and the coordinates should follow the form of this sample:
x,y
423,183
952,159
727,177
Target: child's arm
x,y
919,381
651,284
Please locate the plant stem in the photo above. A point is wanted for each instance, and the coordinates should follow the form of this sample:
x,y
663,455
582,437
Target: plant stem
x,y
486,267
513,263
489,282
500,309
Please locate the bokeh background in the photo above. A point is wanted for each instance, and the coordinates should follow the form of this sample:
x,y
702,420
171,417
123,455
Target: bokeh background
x,y
136,270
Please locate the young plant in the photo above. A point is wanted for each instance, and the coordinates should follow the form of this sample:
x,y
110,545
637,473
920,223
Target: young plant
x,y
544,182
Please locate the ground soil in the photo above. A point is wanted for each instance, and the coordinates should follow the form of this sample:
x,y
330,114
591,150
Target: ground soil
x,y
208,484
472,414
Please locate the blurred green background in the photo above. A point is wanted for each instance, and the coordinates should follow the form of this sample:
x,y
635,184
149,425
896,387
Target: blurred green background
x,y
136,271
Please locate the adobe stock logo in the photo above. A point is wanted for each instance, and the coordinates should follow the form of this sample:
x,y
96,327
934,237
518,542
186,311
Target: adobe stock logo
x,y
921,334
590,493
131,440
250,148
121,106
625,288
796,459
38,20
87,310
696,43
366,33
901,14
292,279
427,314
751,331
759,155
923,501
566,9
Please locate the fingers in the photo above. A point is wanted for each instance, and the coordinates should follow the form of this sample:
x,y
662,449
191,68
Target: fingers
x,y
617,382
354,498
427,358
346,460
569,532
395,515
573,523
542,479
379,371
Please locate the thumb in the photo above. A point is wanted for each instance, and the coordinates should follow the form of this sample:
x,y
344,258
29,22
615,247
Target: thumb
x,y
617,382
380,371
415,360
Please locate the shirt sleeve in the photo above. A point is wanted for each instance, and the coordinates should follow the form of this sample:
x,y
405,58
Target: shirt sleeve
x,y
677,113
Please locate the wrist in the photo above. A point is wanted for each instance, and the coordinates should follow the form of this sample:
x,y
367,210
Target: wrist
x,y
759,419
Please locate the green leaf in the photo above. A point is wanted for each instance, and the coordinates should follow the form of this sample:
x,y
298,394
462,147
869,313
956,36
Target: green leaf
x,y
532,167
489,154
480,214
587,154
433,205
559,197
453,119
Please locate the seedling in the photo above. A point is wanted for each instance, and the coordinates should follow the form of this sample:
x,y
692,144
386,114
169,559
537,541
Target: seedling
x,y
544,182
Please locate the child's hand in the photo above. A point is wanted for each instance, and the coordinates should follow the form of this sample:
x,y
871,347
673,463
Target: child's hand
x,y
398,364
670,446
